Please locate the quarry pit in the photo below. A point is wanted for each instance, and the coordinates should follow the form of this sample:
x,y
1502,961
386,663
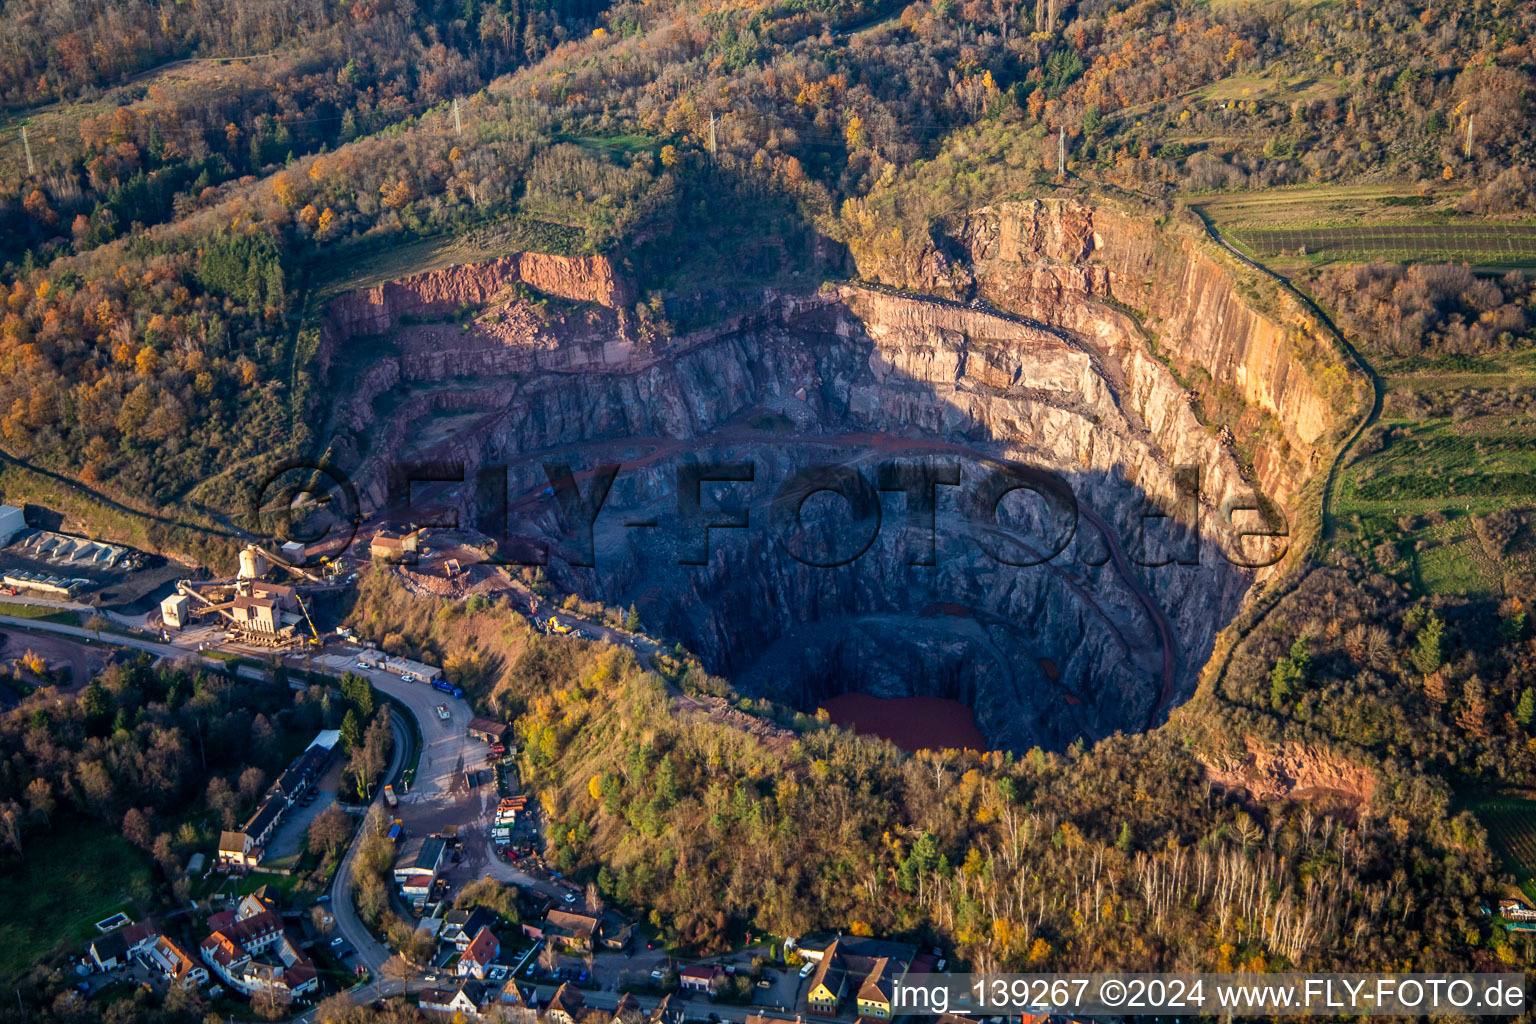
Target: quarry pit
x,y
989,476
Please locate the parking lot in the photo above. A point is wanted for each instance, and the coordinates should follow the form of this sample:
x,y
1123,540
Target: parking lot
x,y
288,842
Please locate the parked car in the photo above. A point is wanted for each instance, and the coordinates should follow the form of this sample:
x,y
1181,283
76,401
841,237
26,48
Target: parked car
x,y
765,983
658,975
442,712
338,940
805,972
570,897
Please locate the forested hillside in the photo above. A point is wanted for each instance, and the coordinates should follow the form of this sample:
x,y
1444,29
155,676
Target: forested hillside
x,y
696,140
195,178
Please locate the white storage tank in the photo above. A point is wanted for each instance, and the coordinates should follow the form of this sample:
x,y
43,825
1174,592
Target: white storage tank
x,y
252,563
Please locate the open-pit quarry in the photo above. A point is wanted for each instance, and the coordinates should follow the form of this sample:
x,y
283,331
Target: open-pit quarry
x,y
1085,402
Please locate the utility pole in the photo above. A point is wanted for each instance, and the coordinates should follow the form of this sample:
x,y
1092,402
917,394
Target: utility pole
x,y
1467,149
458,123
711,134
1061,152
26,145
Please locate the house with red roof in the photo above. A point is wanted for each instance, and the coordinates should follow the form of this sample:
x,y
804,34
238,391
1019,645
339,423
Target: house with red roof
x,y
476,960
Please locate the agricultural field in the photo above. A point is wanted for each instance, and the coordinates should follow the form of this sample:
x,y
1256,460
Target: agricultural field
x,y
1293,229
1442,502
1511,825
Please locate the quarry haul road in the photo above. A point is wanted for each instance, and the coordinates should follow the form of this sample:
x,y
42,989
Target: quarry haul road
x,y
891,444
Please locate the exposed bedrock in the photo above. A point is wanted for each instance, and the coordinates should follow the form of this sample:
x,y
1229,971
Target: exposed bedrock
x,y
1051,382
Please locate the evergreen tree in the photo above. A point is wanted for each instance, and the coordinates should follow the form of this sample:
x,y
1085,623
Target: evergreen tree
x,y
1426,649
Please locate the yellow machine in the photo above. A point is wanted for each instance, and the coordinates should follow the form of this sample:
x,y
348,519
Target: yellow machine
x,y
555,627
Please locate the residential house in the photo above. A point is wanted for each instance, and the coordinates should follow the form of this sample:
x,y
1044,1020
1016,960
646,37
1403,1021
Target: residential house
x,y
469,999
509,996
667,1012
867,969
1514,910
876,993
460,926
701,978
117,949
565,930
242,850
628,1010
614,932
477,958
565,1006
300,776
171,960
249,950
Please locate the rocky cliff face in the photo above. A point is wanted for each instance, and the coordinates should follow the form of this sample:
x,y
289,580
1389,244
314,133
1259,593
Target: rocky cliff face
x,y
441,293
1087,268
1052,626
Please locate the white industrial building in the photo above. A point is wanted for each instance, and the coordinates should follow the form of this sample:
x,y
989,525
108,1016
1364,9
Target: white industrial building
x,y
12,522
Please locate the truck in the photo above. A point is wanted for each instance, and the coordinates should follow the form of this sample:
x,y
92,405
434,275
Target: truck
x,y
390,798
447,687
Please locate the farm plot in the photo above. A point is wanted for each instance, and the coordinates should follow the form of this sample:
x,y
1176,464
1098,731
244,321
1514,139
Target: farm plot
x,y
1472,242
1511,825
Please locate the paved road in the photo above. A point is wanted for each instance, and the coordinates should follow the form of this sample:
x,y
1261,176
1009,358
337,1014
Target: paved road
x,y
154,647
369,952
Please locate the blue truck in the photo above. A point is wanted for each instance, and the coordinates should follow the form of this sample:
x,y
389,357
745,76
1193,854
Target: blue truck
x,y
447,687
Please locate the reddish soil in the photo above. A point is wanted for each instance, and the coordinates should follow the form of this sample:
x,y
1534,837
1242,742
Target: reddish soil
x,y
912,723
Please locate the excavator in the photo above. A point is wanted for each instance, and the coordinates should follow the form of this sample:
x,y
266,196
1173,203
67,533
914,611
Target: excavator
x,y
556,627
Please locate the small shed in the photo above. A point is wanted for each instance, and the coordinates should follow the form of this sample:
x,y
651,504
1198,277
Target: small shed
x,y
487,730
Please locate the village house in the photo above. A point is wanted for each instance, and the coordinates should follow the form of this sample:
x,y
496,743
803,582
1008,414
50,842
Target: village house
x,y
171,960
470,999
868,970
667,1012
627,1011
461,925
509,997
565,1006
117,949
565,930
704,978
249,950
481,953
242,850
1514,910
614,932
